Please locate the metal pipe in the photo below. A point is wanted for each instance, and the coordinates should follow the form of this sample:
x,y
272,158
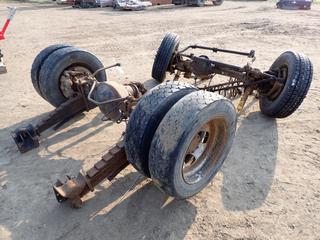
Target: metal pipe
x,y
250,54
215,63
102,102
105,68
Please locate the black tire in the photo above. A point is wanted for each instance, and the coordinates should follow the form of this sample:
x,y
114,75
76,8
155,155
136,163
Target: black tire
x,y
177,132
146,117
168,46
299,77
56,63
38,61
217,2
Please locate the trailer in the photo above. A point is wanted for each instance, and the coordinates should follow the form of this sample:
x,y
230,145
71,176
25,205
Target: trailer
x,y
178,133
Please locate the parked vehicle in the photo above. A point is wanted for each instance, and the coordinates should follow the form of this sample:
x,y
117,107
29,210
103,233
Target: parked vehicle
x,y
294,4
198,3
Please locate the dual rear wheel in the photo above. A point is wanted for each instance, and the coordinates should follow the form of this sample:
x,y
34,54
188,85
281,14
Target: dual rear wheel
x,y
177,135
49,72
180,137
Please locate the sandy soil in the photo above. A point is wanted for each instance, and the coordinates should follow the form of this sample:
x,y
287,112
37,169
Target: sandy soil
x,y
269,185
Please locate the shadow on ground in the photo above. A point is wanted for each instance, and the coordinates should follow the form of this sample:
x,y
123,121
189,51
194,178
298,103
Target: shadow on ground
x,y
26,181
50,136
140,215
249,170
112,212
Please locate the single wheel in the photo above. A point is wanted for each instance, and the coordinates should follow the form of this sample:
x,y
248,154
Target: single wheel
x,y
191,143
54,82
296,71
38,61
146,117
217,2
165,53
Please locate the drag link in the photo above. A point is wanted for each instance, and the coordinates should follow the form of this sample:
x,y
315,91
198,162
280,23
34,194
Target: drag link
x,y
250,54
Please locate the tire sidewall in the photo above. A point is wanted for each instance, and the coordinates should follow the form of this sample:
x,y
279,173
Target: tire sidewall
x,y
156,118
144,122
38,62
217,2
216,110
267,106
54,65
164,61
173,46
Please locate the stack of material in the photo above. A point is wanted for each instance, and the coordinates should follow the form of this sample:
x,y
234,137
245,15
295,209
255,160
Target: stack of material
x,y
134,5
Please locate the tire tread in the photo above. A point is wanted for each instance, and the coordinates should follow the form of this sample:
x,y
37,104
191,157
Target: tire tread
x,y
146,117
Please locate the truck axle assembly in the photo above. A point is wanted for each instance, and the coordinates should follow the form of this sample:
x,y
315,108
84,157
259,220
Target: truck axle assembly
x,y
114,100
177,133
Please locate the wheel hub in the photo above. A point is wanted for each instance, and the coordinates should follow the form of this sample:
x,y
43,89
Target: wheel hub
x,y
67,85
203,151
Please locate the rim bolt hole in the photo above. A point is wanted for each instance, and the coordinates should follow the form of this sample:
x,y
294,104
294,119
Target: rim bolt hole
x,y
206,137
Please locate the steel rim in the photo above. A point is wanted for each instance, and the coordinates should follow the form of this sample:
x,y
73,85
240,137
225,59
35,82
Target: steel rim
x,y
277,87
273,90
172,57
66,84
204,151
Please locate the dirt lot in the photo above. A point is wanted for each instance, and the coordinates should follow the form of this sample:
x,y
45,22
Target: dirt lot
x,y
269,187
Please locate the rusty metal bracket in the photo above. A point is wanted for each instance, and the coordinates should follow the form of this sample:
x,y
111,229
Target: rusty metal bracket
x,y
27,138
244,98
113,162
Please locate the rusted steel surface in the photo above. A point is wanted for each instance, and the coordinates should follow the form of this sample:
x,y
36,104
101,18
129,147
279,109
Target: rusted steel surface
x,y
27,137
115,102
67,109
113,162
244,98
242,80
